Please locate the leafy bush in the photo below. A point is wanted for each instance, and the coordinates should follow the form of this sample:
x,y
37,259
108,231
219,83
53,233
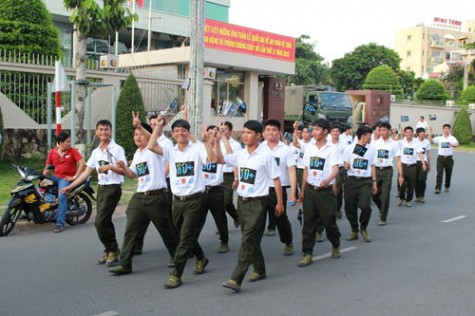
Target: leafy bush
x,y
130,99
463,127
383,78
468,95
432,90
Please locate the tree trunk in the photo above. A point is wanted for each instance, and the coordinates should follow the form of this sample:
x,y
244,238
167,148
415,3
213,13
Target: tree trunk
x,y
81,58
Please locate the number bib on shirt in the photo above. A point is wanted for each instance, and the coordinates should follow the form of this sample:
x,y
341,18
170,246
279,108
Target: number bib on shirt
x,y
408,151
360,163
317,163
143,174
383,153
444,145
277,159
360,150
210,170
185,169
247,175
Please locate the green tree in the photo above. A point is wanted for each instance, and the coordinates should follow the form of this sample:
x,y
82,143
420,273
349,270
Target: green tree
x,y
26,26
463,127
453,80
432,90
2,134
91,19
468,96
350,71
408,83
130,99
309,68
383,78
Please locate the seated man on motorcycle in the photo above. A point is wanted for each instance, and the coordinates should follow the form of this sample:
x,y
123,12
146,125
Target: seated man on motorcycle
x,y
68,163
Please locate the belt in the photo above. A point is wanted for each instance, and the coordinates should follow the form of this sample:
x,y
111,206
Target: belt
x,y
384,168
153,192
226,173
252,198
114,185
283,187
210,188
186,198
408,165
448,156
359,178
328,187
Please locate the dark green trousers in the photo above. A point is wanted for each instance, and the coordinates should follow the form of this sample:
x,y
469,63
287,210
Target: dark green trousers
x,y
142,209
299,179
406,191
384,178
228,196
213,201
447,164
358,194
319,206
186,218
282,222
252,218
421,179
108,197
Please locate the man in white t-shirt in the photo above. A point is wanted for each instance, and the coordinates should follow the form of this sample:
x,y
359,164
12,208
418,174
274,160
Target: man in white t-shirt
x,y
186,160
104,160
149,203
445,160
421,174
422,123
257,170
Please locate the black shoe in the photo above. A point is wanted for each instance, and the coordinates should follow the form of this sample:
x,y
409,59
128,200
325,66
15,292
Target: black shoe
x,y
437,191
120,270
236,223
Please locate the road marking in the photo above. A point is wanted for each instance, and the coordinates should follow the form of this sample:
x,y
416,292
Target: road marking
x,y
328,255
109,313
454,219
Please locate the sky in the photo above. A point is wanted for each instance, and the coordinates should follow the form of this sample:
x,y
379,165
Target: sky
x,y
337,27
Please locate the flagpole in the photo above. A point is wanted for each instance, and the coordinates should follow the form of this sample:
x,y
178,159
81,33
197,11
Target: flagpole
x,y
58,80
133,28
149,42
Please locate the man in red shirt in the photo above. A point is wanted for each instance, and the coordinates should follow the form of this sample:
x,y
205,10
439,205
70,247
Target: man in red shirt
x,y
68,164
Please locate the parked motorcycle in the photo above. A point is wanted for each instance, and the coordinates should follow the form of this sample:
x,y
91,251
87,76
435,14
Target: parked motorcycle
x,y
39,203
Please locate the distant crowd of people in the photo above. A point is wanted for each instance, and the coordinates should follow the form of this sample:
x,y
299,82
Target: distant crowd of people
x,y
323,169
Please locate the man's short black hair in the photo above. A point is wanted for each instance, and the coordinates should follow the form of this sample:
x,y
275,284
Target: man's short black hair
x,y
322,123
446,125
211,127
375,126
420,130
408,128
181,123
385,125
346,127
273,122
104,123
363,130
228,124
61,138
335,125
254,125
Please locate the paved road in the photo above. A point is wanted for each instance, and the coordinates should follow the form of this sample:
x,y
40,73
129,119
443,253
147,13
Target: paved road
x,y
419,264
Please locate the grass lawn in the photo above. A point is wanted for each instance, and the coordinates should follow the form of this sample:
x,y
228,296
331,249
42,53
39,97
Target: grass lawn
x,y
9,177
470,147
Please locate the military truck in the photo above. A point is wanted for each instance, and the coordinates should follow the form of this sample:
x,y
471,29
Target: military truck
x,y
307,103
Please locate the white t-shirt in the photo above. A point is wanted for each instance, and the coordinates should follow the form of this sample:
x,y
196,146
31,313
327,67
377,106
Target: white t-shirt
x,y
256,171
425,145
149,168
409,150
424,125
444,142
301,151
386,151
346,139
361,159
320,161
163,141
235,146
285,157
186,175
213,173
110,155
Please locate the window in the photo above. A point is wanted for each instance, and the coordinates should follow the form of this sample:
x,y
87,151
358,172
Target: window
x,y
408,53
409,37
423,52
228,92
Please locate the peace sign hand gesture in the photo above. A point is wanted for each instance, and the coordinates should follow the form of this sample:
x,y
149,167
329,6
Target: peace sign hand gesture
x,y
136,119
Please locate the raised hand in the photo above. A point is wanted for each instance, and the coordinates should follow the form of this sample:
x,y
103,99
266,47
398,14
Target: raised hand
x,y
136,119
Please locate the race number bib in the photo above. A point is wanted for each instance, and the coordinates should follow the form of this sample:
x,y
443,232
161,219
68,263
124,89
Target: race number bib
x,y
360,164
210,168
360,150
408,151
142,169
317,163
247,175
185,169
445,145
383,154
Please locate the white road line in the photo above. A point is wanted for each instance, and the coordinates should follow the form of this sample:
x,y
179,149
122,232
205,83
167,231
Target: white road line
x,y
109,313
328,255
454,219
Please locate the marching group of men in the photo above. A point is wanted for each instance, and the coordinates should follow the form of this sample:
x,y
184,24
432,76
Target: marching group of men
x,y
324,166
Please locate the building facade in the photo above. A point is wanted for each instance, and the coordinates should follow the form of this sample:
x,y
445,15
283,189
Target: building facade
x,y
424,48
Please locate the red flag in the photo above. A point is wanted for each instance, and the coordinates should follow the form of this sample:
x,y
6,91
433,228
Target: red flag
x,y
140,3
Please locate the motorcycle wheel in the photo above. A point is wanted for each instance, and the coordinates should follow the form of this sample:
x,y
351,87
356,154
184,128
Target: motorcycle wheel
x,y
80,199
9,219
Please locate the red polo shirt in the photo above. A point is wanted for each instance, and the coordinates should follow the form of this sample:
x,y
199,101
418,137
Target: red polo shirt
x,y
65,166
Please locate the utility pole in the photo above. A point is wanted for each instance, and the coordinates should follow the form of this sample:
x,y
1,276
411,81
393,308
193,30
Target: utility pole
x,y
195,101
